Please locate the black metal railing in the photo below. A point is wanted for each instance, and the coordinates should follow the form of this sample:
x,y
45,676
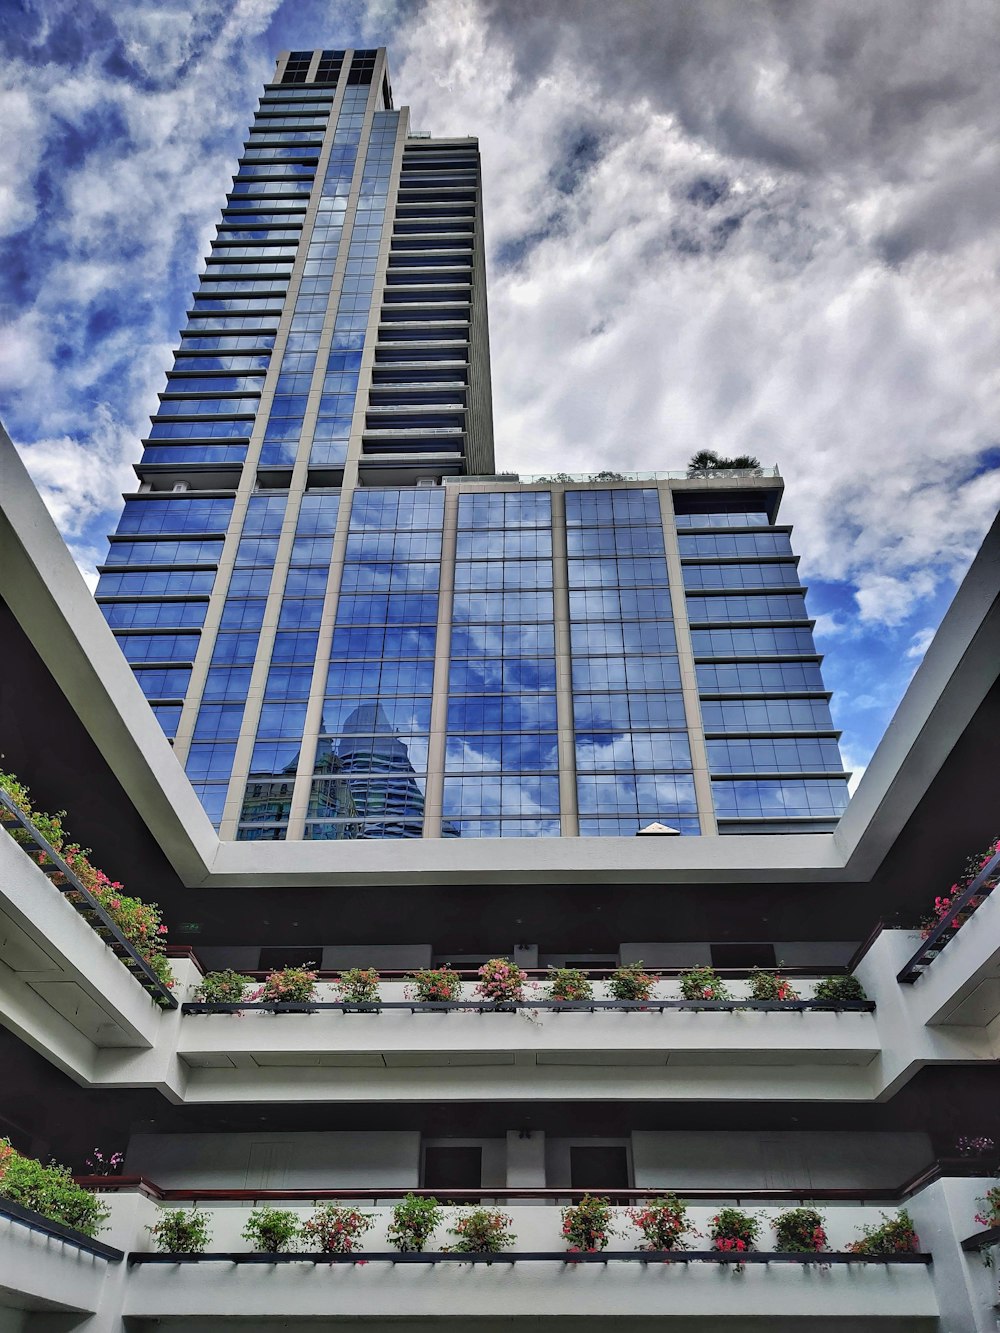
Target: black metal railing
x,y
536,1256
944,932
27,1217
552,1006
54,867
982,1240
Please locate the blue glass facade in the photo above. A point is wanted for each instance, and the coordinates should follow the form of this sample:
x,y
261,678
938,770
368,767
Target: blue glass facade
x,y
501,752
633,759
344,647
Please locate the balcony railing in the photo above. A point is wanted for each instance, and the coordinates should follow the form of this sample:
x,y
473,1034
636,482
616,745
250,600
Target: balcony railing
x,y
534,1256
945,931
959,1167
43,854
586,478
552,1006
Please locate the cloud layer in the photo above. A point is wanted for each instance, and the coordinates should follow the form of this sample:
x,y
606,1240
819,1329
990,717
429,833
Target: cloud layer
x,y
762,228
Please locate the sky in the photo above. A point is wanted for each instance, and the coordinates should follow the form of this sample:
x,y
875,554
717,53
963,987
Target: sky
x,y
755,226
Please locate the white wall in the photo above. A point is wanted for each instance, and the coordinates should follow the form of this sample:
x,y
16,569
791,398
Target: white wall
x,y
781,1160
276,1161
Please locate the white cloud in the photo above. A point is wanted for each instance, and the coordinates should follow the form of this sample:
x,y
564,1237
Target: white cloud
x,y
708,226
919,644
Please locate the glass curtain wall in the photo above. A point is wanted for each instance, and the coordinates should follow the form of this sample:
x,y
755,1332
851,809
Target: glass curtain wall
x,y
501,758
371,760
633,759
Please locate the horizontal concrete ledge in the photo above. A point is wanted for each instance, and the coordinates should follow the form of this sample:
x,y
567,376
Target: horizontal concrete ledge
x,y
751,859
545,1256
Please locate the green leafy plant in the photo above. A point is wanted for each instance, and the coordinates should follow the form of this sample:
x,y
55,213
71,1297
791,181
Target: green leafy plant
x,y
501,981
836,989
800,1231
270,1230
434,985
569,983
631,982
139,922
895,1235
289,985
663,1222
707,460
358,985
335,1229
413,1220
482,1231
226,987
587,1225
771,986
49,1190
181,1231
732,1231
703,983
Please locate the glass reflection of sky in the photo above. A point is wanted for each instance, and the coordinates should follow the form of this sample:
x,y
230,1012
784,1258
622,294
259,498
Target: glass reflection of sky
x,y
502,676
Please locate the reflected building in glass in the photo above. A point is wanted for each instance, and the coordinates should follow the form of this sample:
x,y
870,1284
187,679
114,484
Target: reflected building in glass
x,y
350,624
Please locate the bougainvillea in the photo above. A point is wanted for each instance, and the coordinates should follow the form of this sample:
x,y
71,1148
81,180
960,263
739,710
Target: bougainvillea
x,y
703,983
944,904
335,1229
631,982
989,1208
569,983
358,985
586,1225
434,985
663,1222
800,1231
414,1218
501,981
139,922
734,1232
227,987
482,1231
771,986
288,985
895,1235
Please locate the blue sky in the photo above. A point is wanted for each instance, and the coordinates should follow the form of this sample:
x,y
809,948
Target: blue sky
x,y
756,228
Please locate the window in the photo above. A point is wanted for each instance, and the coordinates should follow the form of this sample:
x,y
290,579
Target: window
x,y
297,67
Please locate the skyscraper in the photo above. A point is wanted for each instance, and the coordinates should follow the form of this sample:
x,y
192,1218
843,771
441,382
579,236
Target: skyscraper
x,y
322,583
357,632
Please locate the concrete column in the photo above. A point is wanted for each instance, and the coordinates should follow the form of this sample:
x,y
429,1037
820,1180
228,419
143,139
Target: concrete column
x,y
317,687
434,792
248,478
689,681
525,1159
568,810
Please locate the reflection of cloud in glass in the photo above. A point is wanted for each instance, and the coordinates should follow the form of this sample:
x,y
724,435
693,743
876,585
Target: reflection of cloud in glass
x,y
508,795
624,794
627,751
527,753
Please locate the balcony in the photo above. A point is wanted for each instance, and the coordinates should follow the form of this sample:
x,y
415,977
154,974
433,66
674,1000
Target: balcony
x,y
535,1278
